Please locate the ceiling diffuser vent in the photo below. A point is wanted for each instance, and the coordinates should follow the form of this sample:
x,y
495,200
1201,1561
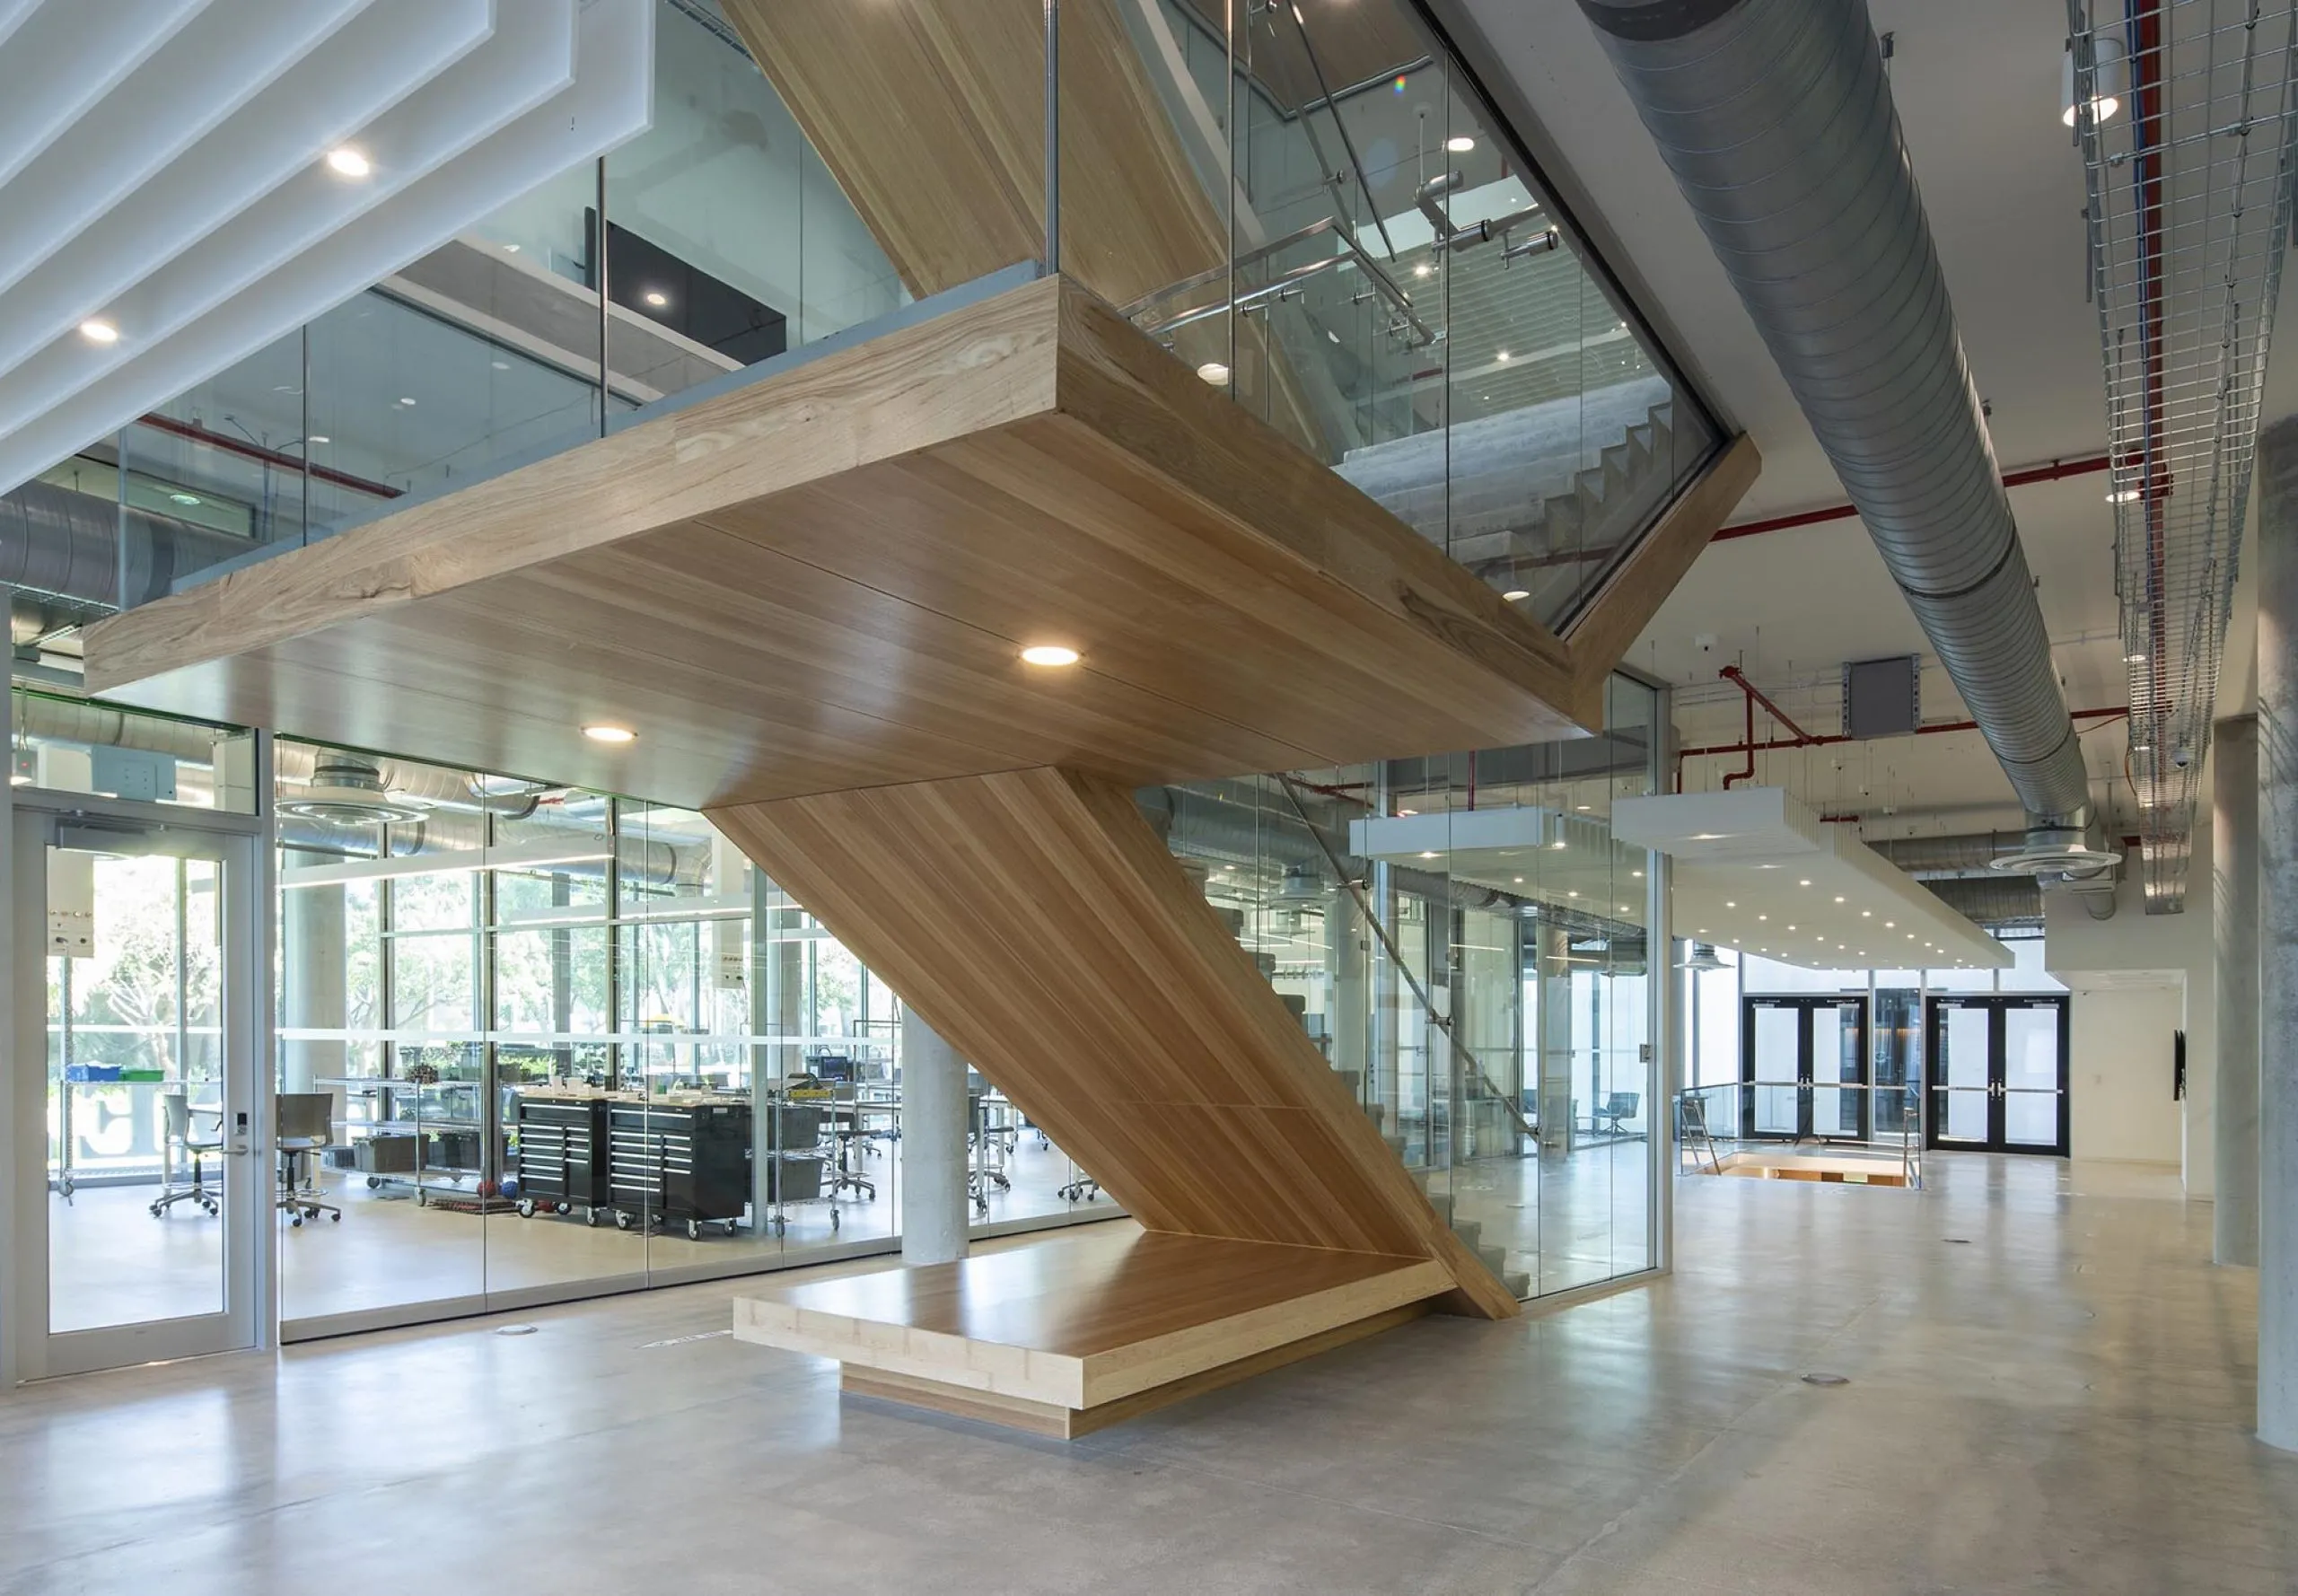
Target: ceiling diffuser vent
x,y
346,792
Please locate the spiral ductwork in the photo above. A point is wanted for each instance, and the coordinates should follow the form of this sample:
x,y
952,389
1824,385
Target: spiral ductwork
x,y
1776,119
56,540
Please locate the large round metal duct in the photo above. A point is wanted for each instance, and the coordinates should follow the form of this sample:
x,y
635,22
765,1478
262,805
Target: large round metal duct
x,y
1776,119
56,540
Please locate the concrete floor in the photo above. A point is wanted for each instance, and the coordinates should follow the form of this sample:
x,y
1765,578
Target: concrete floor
x,y
2050,1391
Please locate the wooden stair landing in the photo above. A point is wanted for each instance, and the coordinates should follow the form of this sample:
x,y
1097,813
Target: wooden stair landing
x,y
1068,1335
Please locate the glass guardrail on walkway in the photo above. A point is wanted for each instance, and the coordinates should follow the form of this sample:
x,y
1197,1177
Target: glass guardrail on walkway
x,y
1847,1131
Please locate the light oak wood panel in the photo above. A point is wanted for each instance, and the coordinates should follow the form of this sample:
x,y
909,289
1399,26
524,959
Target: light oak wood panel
x,y
1085,1318
1035,921
931,115
823,581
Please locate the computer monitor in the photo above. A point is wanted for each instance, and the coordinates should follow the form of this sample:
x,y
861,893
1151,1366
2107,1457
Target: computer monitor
x,y
832,1066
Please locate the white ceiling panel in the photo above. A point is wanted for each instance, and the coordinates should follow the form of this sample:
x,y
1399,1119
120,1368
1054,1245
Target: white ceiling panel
x,y
377,58
551,84
227,54
65,58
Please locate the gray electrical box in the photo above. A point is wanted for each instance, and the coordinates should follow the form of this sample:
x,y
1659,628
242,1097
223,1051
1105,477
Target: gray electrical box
x,y
1883,697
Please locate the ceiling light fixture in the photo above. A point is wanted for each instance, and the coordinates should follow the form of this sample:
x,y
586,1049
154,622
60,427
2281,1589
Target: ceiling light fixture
x,y
406,402
657,298
184,498
1050,654
1803,883
97,330
2107,74
1215,372
603,731
1502,357
1428,853
346,162
2123,496
1461,144
1514,593
318,438
1839,897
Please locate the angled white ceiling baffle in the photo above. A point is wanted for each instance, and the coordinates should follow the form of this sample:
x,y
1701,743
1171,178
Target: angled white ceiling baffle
x,y
1757,871
186,180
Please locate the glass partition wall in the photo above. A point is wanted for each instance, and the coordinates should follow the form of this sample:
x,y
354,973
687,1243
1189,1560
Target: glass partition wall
x,y
568,1042
1471,951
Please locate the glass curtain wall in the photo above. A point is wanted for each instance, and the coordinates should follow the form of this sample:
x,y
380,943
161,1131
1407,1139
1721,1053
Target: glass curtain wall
x,y
1472,950
712,241
572,1042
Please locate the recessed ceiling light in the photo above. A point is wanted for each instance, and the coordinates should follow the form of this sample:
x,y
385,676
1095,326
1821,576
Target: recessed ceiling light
x,y
408,402
656,297
1866,914
1514,593
2123,496
2134,658
1763,917
1214,372
1459,143
1519,880
348,163
1803,883
1502,357
1728,904
97,330
1623,909
1407,811
1048,654
318,438
1423,269
509,248
500,365
1428,853
1890,925
1636,873
1571,894
184,498
605,732
1557,843
1838,899
1584,808
1791,928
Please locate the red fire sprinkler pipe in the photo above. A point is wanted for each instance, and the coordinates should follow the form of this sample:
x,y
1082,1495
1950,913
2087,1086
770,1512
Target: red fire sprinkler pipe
x,y
1734,674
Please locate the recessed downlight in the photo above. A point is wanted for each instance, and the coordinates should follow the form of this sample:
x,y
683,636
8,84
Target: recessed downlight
x,y
1215,372
97,330
318,438
657,298
1050,654
346,162
183,498
606,731
1514,593
1459,143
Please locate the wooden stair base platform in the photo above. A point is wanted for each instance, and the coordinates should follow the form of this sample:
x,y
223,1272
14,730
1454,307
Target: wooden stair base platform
x,y
1069,1334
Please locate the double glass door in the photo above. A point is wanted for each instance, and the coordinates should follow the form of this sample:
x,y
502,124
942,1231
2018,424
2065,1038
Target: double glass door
x,y
137,1132
1998,1074
1804,1068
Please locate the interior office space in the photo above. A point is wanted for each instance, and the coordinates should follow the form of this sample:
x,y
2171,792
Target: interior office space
x,y
1464,782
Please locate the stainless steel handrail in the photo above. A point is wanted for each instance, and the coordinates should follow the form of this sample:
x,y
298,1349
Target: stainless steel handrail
x,y
1387,285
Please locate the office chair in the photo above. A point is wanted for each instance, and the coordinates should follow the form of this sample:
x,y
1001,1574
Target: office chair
x,y
303,1122
180,1130
1619,1107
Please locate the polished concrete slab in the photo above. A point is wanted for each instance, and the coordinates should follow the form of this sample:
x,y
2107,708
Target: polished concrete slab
x,y
2049,1390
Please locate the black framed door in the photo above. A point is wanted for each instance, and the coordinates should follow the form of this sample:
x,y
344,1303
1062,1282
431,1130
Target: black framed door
x,y
1797,1057
1997,1069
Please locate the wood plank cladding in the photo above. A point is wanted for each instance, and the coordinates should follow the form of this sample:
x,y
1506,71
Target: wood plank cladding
x,y
822,580
1035,921
931,115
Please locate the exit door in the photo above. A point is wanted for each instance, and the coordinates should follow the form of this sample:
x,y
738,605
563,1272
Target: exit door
x,y
1804,1068
1998,1075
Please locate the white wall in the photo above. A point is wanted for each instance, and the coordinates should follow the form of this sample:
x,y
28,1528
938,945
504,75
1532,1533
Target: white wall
x,y
2137,1109
2120,1084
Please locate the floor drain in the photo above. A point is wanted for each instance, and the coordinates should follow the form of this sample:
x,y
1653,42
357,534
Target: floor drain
x,y
514,1330
1827,1380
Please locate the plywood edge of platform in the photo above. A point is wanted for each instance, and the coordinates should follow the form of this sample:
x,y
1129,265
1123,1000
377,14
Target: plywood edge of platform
x,y
1124,1371
976,368
991,1367
1067,1423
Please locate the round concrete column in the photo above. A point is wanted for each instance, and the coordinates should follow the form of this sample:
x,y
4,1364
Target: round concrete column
x,y
934,1126
2277,1037
2234,911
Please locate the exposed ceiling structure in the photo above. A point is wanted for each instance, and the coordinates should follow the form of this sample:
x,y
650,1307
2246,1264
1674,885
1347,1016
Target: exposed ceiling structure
x,y
187,180
1978,89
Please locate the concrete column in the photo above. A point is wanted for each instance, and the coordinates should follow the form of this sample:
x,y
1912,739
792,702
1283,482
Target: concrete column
x,y
934,1126
1348,1017
2235,904
311,956
2277,759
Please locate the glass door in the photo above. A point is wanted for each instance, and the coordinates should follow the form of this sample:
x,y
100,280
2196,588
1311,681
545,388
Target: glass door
x,y
141,1159
1798,1055
1999,1074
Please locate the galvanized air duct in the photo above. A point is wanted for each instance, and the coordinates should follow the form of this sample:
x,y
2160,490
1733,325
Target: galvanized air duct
x,y
1777,118
2001,900
56,540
